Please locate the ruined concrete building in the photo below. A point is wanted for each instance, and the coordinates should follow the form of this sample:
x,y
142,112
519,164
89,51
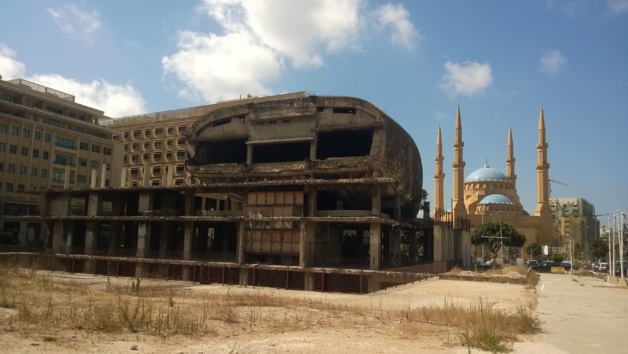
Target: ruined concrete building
x,y
292,180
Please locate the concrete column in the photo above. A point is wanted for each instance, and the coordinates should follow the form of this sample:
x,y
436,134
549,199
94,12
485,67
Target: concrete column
x,y
249,154
143,231
375,234
117,209
103,175
187,249
93,182
395,247
123,177
94,207
241,242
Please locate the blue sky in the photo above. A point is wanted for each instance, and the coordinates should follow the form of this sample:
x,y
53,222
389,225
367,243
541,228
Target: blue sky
x,y
416,60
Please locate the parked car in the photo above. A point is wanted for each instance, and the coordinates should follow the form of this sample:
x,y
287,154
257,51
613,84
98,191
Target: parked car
x,y
546,267
602,267
532,262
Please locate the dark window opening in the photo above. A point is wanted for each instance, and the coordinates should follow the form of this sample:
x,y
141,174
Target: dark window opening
x,y
344,110
320,109
220,122
344,143
227,151
287,152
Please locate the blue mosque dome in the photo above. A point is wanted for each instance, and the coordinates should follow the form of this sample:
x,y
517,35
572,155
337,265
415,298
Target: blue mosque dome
x,y
486,173
496,199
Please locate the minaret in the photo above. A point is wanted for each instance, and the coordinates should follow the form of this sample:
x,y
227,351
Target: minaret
x,y
458,208
542,185
439,179
510,161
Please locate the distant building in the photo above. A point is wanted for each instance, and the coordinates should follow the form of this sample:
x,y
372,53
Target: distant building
x,y
47,140
574,219
488,195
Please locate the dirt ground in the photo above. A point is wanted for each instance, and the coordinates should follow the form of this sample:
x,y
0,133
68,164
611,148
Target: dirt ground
x,y
334,323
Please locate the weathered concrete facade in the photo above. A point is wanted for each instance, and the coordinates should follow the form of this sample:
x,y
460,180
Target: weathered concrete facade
x,y
297,180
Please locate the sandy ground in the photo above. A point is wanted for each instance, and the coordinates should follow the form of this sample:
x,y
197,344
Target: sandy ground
x,y
316,331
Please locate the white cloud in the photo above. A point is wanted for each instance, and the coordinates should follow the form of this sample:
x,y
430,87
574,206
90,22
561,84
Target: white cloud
x,y
217,68
617,6
76,22
467,78
552,62
397,17
259,37
114,100
9,67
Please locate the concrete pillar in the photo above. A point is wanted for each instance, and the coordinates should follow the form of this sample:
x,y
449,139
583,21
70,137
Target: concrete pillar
x,y
395,247
241,242
143,231
117,209
438,243
187,249
66,177
375,234
123,177
94,208
249,154
93,182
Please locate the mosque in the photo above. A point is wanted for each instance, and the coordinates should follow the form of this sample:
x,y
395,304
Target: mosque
x,y
487,194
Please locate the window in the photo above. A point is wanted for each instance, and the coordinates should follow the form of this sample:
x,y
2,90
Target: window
x,y
62,160
22,169
170,130
20,188
147,132
81,179
3,147
47,138
126,135
11,168
82,162
180,168
64,143
3,128
182,129
181,141
84,146
45,155
33,171
136,146
154,183
135,158
35,153
125,160
157,155
169,142
159,131
37,135
106,151
13,149
94,164
137,134
158,144
15,131
8,187
146,145
96,149
180,153
24,151
58,177
44,172
156,170
168,154
54,123
135,172
26,133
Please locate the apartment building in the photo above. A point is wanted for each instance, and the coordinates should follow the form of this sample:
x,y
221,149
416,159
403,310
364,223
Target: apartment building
x,y
48,141
575,219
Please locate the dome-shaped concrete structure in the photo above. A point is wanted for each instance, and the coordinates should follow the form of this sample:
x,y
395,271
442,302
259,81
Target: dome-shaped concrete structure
x,y
496,199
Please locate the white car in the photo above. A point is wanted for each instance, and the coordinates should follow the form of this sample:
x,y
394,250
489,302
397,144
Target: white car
x,y
602,267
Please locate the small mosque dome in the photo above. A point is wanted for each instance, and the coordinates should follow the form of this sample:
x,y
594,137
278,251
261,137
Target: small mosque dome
x,y
486,173
496,199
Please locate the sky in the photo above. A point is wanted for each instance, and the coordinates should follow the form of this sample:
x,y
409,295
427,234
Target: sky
x,y
417,60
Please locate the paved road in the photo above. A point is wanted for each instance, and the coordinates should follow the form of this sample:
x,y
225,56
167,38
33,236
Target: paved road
x,y
582,315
